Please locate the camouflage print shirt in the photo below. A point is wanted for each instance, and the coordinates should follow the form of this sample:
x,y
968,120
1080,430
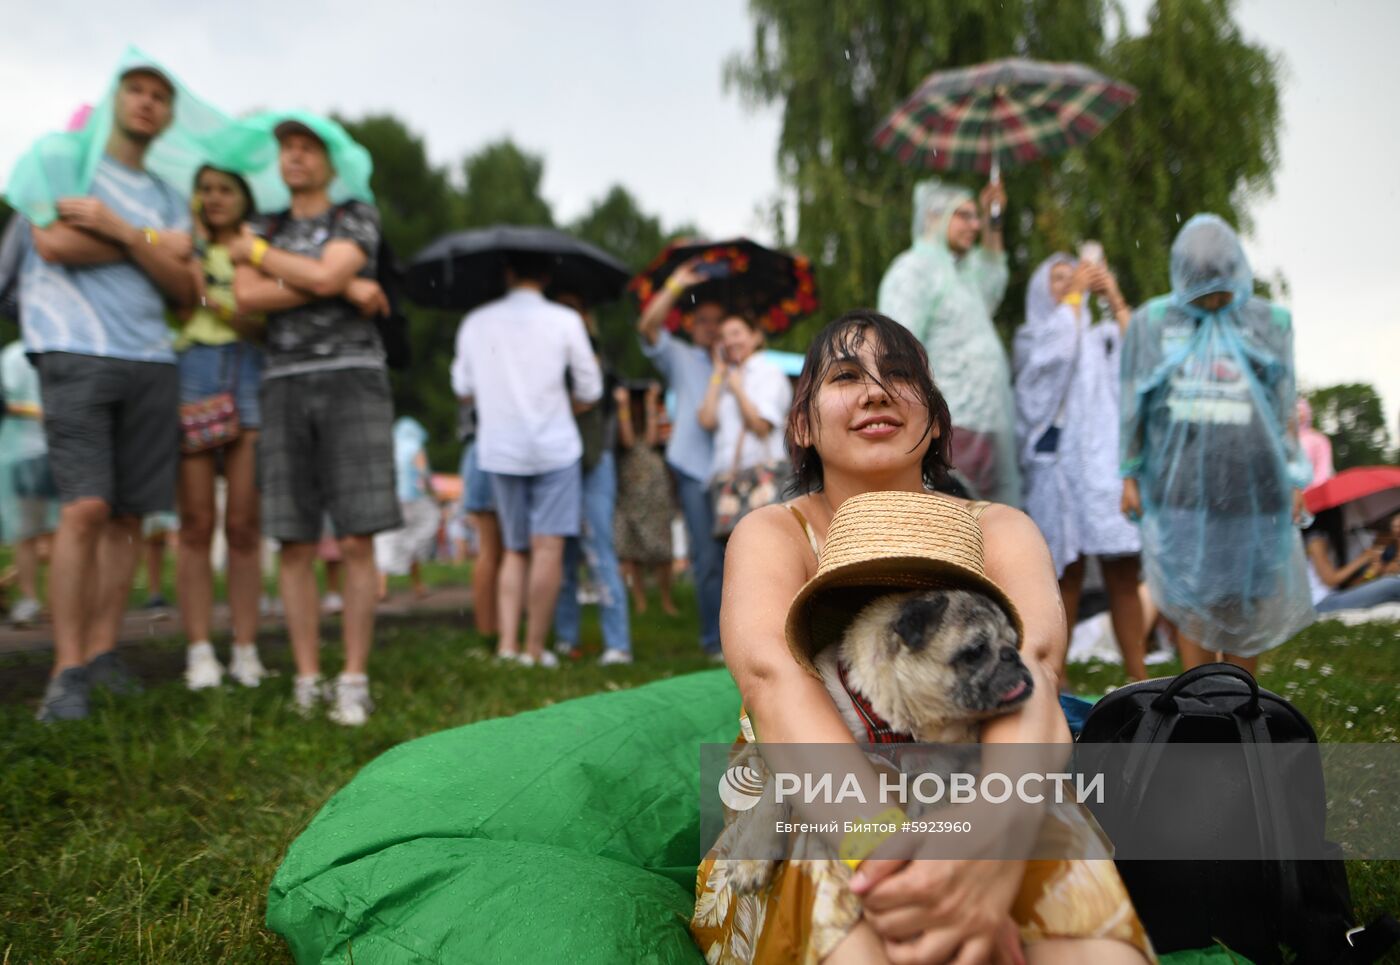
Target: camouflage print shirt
x,y
328,333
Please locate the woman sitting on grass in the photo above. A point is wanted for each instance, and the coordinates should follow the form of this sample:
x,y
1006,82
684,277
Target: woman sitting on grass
x,y
866,418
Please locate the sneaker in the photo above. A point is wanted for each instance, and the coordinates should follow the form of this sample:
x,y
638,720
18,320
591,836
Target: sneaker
x,y
546,660
307,692
508,658
332,604
110,672
156,602
564,649
352,701
202,668
66,697
612,657
25,611
245,667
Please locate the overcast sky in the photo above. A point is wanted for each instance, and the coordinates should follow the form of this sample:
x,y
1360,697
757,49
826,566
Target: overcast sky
x,y
631,92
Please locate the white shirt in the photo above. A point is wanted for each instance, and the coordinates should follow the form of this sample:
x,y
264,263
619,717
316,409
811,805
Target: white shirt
x,y
511,358
769,390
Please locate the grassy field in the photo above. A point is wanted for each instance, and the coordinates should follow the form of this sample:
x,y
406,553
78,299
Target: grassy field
x,y
150,832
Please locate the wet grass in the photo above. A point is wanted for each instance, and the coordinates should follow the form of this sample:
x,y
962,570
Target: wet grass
x,y
150,832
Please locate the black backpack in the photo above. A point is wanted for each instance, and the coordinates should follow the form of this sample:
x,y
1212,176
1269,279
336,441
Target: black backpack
x,y
393,328
1253,907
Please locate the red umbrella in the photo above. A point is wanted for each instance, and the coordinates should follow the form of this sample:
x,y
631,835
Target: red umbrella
x,y
1370,493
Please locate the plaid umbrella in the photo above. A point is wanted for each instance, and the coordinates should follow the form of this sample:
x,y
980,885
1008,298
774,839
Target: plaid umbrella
x,y
1006,112
774,286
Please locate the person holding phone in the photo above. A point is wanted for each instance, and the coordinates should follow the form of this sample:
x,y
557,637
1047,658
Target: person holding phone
x,y
1368,580
1067,426
746,403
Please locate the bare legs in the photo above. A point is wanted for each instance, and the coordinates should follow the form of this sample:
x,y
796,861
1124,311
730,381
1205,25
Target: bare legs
x,y
634,576
1120,577
75,596
198,513
486,573
301,602
530,586
1194,655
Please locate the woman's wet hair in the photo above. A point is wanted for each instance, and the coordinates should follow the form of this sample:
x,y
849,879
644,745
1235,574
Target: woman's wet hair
x,y
249,209
903,371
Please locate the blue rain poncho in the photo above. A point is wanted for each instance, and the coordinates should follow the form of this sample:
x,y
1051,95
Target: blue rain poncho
x,y
1207,430
62,165
28,498
947,302
1067,386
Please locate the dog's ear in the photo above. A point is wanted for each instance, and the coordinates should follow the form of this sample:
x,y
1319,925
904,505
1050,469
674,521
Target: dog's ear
x,y
915,618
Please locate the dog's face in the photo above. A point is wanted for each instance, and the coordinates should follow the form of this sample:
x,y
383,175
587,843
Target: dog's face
x,y
943,654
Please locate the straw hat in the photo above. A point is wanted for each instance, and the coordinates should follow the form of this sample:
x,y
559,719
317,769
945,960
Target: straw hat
x,y
887,542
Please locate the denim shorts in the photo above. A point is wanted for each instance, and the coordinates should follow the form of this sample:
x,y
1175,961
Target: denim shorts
x,y
207,370
548,504
477,495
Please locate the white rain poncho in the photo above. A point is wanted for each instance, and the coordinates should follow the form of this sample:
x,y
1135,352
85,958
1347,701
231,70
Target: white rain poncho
x,y
947,302
28,497
1207,431
1067,387
62,165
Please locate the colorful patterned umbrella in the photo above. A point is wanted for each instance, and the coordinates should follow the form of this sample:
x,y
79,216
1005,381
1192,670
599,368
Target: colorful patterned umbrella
x,y
1006,112
774,286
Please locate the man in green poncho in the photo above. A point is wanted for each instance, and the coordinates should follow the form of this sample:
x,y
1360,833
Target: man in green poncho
x,y
944,289
93,293
327,445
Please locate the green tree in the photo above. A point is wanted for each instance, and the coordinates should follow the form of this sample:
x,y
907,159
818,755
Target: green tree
x,y
503,187
1352,417
1202,136
617,224
416,202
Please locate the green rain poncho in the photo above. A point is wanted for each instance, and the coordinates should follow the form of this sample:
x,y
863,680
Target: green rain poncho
x,y
62,165
351,162
947,302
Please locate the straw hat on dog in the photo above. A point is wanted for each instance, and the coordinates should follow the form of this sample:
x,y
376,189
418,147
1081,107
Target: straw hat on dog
x,y
888,542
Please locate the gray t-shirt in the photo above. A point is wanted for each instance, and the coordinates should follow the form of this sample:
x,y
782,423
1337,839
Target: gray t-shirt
x,y
329,333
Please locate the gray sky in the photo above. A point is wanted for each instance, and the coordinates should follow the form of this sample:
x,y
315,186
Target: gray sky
x,y
631,92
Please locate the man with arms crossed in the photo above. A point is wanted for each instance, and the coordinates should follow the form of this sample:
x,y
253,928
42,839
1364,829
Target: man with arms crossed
x,y
327,435
94,292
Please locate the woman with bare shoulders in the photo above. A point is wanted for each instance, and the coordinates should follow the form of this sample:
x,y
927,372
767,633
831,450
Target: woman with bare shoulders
x,y
866,417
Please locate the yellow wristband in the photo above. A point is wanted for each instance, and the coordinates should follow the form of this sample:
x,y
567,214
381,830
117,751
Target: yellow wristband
x,y
856,846
255,256
1073,299
674,287
152,236
717,378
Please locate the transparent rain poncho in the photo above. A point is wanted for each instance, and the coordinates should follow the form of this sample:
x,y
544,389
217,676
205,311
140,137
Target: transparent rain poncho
x,y
28,498
947,302
1207,430
62,165
1067,425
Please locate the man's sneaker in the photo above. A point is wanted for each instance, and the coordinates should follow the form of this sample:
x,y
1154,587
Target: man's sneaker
x,y
66,697
202,668
612,657
25,611
546,660
110,672
245,667
307,692
332,604
352,702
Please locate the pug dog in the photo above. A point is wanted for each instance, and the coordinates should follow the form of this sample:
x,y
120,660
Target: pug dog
x,y
933,664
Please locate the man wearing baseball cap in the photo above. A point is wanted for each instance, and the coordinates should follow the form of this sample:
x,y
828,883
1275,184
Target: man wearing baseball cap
x,y
327,435
106,263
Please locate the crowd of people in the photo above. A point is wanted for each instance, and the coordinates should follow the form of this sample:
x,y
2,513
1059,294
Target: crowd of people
x,y
168,343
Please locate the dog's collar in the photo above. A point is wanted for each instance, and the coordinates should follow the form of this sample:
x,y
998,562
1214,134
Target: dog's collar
x,y
877,729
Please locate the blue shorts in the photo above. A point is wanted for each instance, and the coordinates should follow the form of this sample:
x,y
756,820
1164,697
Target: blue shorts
x,y
207,370
477,496
549,504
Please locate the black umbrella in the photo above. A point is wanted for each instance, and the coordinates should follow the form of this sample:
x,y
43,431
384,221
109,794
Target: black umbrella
x,y
467,268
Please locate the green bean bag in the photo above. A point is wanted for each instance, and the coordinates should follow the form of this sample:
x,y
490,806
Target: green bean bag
x,y
568,834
